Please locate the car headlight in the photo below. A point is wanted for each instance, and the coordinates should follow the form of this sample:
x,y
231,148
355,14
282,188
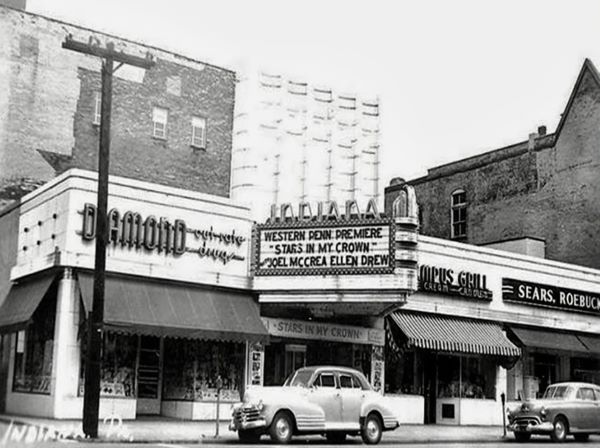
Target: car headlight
x,y
260,405
543,412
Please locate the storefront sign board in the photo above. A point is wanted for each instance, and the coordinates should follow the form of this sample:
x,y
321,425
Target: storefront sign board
x,y
450,282
548,296
297,329
344,247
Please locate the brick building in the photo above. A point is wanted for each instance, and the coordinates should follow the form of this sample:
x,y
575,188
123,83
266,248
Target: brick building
x,y
171,124
539,197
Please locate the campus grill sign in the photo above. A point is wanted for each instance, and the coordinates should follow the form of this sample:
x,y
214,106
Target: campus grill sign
x,y
324,242
447,281
537,294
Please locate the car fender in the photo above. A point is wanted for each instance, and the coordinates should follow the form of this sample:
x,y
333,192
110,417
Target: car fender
x,y
305,414
374,402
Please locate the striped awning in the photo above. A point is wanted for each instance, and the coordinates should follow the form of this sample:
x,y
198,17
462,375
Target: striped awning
x,y
451,334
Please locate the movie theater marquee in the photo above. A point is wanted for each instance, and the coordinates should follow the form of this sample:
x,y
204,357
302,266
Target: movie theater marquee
x,y
332,245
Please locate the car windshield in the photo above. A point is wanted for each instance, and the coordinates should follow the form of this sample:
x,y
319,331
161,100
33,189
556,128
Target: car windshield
x,y
299,378
558,392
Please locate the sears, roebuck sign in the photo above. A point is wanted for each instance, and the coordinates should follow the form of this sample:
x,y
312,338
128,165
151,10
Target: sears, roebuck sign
x,y
537,294
325,243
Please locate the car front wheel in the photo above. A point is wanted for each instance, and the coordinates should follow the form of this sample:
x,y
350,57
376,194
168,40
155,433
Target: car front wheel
x,y
560,430
372,430
522,436
281,428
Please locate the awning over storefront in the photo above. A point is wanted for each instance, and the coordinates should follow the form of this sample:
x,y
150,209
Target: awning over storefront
x,y
21,302
591,342
134,305
449,334
551,340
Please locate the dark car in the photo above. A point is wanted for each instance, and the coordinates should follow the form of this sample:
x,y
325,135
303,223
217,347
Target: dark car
x,y
566,408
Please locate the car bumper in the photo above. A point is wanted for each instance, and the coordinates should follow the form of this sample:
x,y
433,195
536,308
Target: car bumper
x,y
541,428
243,425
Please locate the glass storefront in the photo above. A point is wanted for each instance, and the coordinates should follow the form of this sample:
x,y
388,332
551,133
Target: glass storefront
x,y
34,350
282,357
117,368
191,369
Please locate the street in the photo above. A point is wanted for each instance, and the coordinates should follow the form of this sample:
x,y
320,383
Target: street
x,y
319,442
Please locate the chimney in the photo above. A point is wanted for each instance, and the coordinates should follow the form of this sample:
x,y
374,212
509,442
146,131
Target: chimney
x,y
14,4
397,181
542,130
531,141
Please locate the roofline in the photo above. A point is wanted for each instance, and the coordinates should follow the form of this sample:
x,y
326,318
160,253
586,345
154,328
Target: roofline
x,y
514,146
114,36
535,238
587,64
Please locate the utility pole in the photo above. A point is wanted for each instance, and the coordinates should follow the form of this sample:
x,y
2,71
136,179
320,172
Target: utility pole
x,y
95,317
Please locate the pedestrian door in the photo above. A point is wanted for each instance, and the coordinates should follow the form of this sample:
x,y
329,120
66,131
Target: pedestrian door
x,y
4,351
295,357
149,375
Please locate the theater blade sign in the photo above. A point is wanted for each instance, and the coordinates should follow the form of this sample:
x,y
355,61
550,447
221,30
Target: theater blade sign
x,y
324,241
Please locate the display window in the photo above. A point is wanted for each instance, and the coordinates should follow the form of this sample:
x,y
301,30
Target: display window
x,y
466,377
117,371
283,357
191,369
34,350
586,370
401,374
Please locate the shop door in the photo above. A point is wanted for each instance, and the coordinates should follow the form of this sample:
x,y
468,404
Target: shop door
x,y
3,372
429,386
295,358
149,374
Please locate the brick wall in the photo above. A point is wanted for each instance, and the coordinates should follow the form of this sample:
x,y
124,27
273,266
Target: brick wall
x,y
46,114
550,191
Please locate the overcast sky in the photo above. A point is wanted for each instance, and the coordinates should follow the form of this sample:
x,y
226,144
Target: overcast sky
x,y
455,78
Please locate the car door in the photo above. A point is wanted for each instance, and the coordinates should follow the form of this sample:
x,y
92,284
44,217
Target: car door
x,y
595,424
585,408
352,396
325,394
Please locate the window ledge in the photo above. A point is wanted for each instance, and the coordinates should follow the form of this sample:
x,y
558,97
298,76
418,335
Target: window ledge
x,y
198,148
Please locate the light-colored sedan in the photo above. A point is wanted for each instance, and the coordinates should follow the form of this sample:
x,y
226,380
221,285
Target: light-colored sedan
x,y
333,401
566,408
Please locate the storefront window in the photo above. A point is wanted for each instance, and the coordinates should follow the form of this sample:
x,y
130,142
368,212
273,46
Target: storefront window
x,y
282,358
117,373
466,377
191,369
400,374
586,370
33,352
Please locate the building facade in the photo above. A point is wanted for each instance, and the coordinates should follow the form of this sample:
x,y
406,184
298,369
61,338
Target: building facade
x,y
197,295
486,322
538,197
171,124
295,142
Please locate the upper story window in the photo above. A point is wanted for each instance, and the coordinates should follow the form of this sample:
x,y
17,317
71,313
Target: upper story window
x,y
97,109
159,119
458,216
199,132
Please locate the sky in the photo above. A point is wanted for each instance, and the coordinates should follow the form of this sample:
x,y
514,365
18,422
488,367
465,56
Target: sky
x,y
454,78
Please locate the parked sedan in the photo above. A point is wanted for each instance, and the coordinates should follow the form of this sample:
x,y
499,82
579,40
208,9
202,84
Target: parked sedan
x,y
333,401
565,408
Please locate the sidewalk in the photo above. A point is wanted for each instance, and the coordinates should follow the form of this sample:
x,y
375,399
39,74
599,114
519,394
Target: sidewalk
x,y
165,430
